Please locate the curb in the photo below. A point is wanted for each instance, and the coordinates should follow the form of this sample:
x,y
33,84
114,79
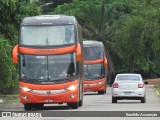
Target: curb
x,y
157,93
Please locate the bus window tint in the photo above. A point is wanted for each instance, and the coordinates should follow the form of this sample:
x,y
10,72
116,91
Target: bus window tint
x,y
94,71
48,68
93,53
47,35
62,66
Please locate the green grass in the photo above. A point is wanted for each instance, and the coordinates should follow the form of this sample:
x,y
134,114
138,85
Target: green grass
x,y
10,98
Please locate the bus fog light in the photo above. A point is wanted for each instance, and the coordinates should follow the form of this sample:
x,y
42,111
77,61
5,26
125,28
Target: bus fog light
x,y
72,96
25,97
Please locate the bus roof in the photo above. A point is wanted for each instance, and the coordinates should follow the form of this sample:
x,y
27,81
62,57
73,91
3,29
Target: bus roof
x,y
49,20
92,43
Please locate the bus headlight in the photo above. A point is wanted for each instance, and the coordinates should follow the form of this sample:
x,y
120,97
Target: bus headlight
x,y
101,82
72,87
25,89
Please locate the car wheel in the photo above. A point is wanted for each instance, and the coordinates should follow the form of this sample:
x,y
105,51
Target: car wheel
x,y
27,106
73,105
114,100
143,99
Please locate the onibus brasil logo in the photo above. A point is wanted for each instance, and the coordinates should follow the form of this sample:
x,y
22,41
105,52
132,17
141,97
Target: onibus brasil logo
x,y
21,114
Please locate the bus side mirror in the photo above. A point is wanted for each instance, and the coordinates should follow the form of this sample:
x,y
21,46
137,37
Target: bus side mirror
x,y
78,53
15,54
105,62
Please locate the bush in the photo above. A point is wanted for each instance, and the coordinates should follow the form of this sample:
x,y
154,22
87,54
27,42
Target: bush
x,y
8,76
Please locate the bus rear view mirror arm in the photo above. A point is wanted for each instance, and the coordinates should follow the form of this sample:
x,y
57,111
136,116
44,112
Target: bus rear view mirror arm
x,y
15,54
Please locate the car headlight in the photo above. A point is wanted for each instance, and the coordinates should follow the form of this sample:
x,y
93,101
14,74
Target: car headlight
x,y
25,89
72,87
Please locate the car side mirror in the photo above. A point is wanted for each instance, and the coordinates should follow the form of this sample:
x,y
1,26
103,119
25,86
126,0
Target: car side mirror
x,y
78,53
15,54
105,63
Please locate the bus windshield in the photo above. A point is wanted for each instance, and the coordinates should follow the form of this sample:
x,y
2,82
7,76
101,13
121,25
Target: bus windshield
x,y
94,71
93,53
52,68
47,35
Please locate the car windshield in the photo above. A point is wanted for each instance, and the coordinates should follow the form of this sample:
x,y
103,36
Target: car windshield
x,y
47,35
48,68
128,77
94,71
93,53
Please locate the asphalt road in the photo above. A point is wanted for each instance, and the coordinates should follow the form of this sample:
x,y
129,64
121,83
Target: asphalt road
x,y
95,102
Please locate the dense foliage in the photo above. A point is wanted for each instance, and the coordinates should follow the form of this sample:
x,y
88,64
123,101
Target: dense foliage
x,y
129,29
11,14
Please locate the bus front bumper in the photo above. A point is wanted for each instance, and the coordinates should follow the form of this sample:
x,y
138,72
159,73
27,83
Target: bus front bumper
x,y
98,85
65,97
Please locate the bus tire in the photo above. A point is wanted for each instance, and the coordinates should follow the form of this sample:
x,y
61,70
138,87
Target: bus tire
x,y
80,103
27,106
101,92
73,105
39,106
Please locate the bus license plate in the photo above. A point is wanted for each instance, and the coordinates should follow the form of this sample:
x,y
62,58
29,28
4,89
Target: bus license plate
x,y
48,100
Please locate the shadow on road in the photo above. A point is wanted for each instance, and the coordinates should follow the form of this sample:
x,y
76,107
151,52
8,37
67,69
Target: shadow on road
x,y
92,93
131,102
65,107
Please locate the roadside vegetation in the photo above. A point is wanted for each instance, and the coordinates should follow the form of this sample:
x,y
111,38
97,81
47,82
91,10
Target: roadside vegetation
x,y
130,31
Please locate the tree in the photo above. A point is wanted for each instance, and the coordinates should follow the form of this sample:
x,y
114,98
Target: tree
x,y
8,76
129,30
93,16
11,14
136,43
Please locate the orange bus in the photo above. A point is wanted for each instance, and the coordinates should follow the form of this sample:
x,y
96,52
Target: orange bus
x,y
95,66
50,57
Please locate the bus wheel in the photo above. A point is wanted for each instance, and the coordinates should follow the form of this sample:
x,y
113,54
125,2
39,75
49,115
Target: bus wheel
x,y
39,106
27,106
101,92
73,105
80,103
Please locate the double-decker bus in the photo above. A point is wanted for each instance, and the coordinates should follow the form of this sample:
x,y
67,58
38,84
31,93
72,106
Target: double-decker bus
x,y
50,57
95,66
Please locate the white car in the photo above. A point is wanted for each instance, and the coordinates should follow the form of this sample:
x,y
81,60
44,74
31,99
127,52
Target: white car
x,y
128,86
